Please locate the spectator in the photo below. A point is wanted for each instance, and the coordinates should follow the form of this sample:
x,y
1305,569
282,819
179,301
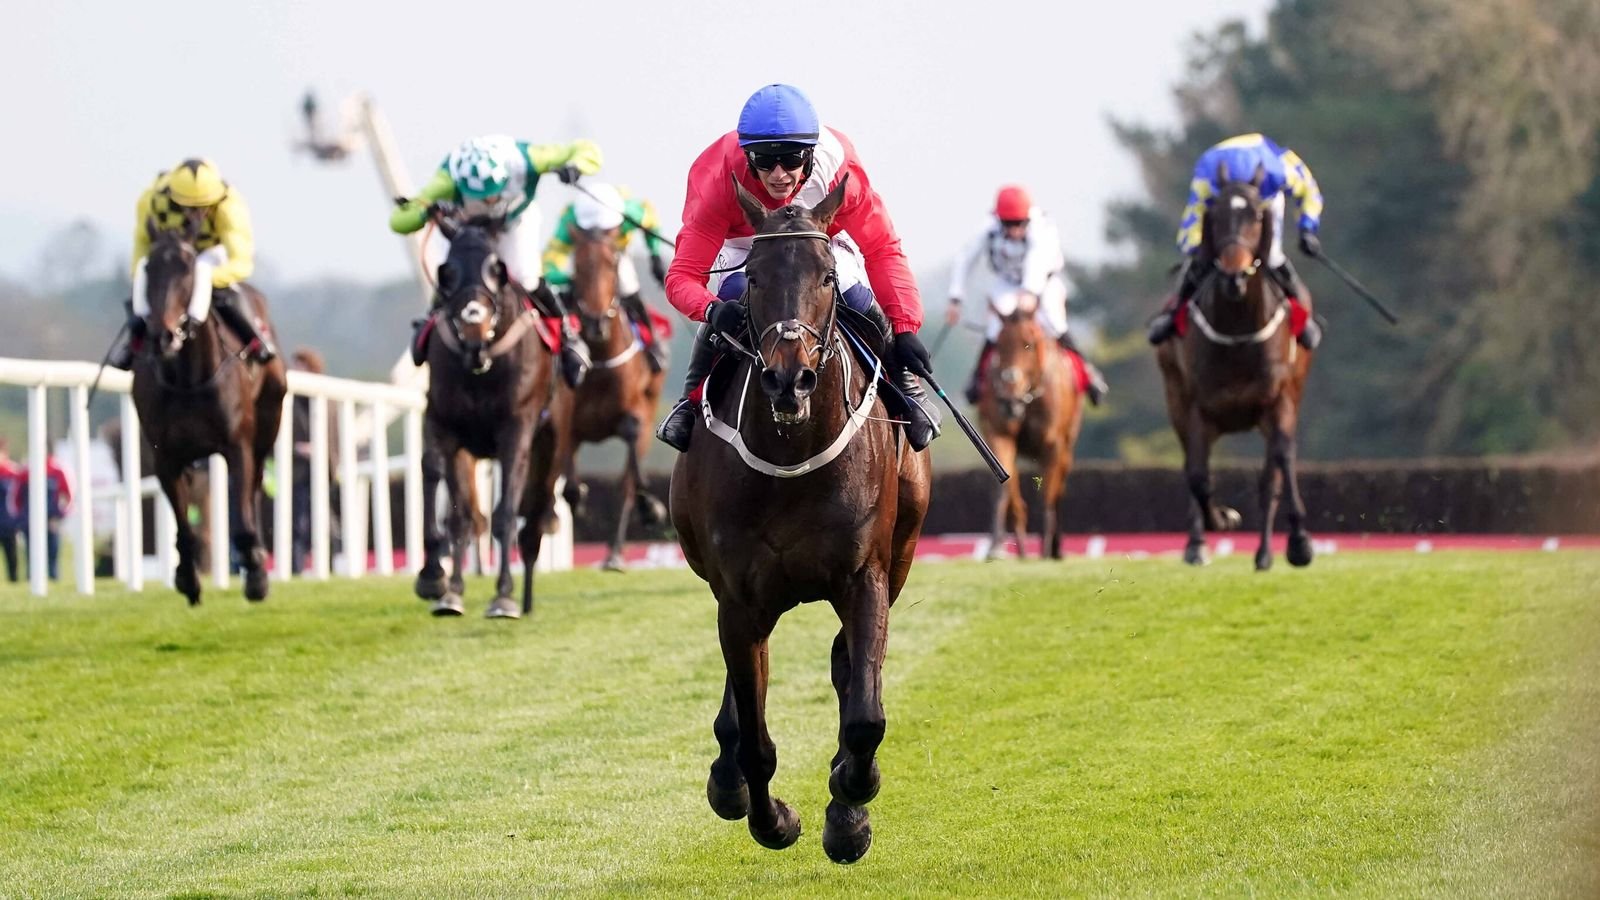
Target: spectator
x,y
58,502
10,477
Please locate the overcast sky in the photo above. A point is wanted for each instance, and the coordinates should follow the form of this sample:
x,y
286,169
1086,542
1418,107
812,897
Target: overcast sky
x,y
945,102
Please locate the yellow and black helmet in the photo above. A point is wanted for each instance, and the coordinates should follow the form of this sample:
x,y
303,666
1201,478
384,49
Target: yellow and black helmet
x,y
196,182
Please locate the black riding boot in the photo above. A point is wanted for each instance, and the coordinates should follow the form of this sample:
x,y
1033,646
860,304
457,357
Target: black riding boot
x,y
974,391
1165,324
907,401
1097,381
678,427
633,305
122,356
230,306
574,353
1289,279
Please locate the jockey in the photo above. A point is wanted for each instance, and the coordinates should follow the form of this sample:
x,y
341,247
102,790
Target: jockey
x,y
1285,173
193,196
609,209
495,176
1024,253
782,155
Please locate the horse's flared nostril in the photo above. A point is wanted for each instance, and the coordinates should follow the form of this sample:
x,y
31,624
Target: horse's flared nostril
x,y
805,382
771,382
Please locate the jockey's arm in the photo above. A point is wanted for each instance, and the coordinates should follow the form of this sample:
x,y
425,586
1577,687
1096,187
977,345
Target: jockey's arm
x,y
233,232
141,233
413,214
583,155
868,223
558,251
698,245
1044,256
644,212
1189,228
1303,185
962,266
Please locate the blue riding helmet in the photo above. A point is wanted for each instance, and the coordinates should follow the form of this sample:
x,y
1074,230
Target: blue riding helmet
x,y
778,113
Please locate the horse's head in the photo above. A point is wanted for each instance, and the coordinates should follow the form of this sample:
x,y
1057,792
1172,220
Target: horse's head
x,y
594,281
1237,233
791,291
472,285
165,287
1016,374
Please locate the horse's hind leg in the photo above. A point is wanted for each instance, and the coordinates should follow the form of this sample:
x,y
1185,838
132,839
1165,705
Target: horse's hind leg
x,y
725,789
516,443
244,478
773,823
858,679
1300,549
173,483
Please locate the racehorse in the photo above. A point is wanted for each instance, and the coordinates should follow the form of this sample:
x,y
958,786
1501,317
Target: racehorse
x,y
1030,406
196,395
619,395
1237,367
811,495
490,383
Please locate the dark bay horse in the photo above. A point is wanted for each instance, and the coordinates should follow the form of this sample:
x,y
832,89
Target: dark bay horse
x,y
618,397
1030,406
197,395
785,506
489,385
1238,367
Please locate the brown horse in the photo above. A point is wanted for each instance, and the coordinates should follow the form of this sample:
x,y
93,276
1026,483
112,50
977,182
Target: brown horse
x,y
1030,406
196,395
786,507
1239,367
618,397
489,385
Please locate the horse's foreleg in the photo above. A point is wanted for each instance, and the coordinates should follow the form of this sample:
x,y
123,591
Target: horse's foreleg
x,y
430,583
1005,450
1270,487
1300,549
1053,463
516,443
725,789
1197,474
773,823
459,475
858,679
628,430
184,578
244,478
537,502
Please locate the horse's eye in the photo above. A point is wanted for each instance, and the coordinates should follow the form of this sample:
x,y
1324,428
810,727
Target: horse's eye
x,y
490,275
449,276
831,278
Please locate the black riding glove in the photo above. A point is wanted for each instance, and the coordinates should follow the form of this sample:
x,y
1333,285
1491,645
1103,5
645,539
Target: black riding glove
x,y
1310,244
911,356
568,174
443,209
659,270
726,316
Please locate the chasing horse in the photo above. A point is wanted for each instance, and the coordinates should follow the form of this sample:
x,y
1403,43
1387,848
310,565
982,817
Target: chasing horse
x,y
619,395
202,389
1238,363
1030,404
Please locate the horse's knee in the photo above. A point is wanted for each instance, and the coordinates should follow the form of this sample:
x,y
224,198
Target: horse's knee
x,y
1199,481
862,738
505,518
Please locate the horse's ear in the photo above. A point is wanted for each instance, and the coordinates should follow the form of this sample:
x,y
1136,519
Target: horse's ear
x,y
449,227
1259,176
1222,172
825,211
754,212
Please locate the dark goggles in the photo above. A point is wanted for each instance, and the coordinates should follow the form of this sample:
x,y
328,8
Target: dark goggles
x,y
1013,223
766,162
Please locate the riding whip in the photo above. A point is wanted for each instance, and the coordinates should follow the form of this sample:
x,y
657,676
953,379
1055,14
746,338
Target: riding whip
x,y
104,361
624,214
1354,285
977,440
939,341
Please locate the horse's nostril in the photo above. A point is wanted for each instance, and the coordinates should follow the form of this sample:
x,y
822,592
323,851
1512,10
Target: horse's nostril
x,y
805,382
771,382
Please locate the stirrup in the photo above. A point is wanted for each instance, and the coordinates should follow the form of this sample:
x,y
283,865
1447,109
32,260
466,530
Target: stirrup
x,y
677,428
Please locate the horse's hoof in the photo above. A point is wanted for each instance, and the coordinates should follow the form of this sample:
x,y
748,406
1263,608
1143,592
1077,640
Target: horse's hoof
x,y
1300,551
783,833
1226,518
732,803
847,833
1263,559
187,584
255,585
613,564
449,605
854,791
503,608
430,587
1197,555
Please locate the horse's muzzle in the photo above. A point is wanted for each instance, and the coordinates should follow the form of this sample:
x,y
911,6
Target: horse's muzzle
x,y
790,392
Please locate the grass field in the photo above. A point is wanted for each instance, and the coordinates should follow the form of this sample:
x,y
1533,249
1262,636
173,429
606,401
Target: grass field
x,y
1379,725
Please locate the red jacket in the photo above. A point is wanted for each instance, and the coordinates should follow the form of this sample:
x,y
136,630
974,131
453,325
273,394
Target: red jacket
x,y
712,216
57,492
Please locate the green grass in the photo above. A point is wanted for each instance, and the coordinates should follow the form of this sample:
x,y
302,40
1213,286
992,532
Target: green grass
x,y
1379,725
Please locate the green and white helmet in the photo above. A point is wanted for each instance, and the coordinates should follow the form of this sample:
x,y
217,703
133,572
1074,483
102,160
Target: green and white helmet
x,y
481,167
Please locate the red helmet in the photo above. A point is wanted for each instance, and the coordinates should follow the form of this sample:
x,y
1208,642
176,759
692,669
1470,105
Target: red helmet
x,y
1013,204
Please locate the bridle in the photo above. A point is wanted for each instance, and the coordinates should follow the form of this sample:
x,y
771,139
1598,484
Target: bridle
x,y
824,345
